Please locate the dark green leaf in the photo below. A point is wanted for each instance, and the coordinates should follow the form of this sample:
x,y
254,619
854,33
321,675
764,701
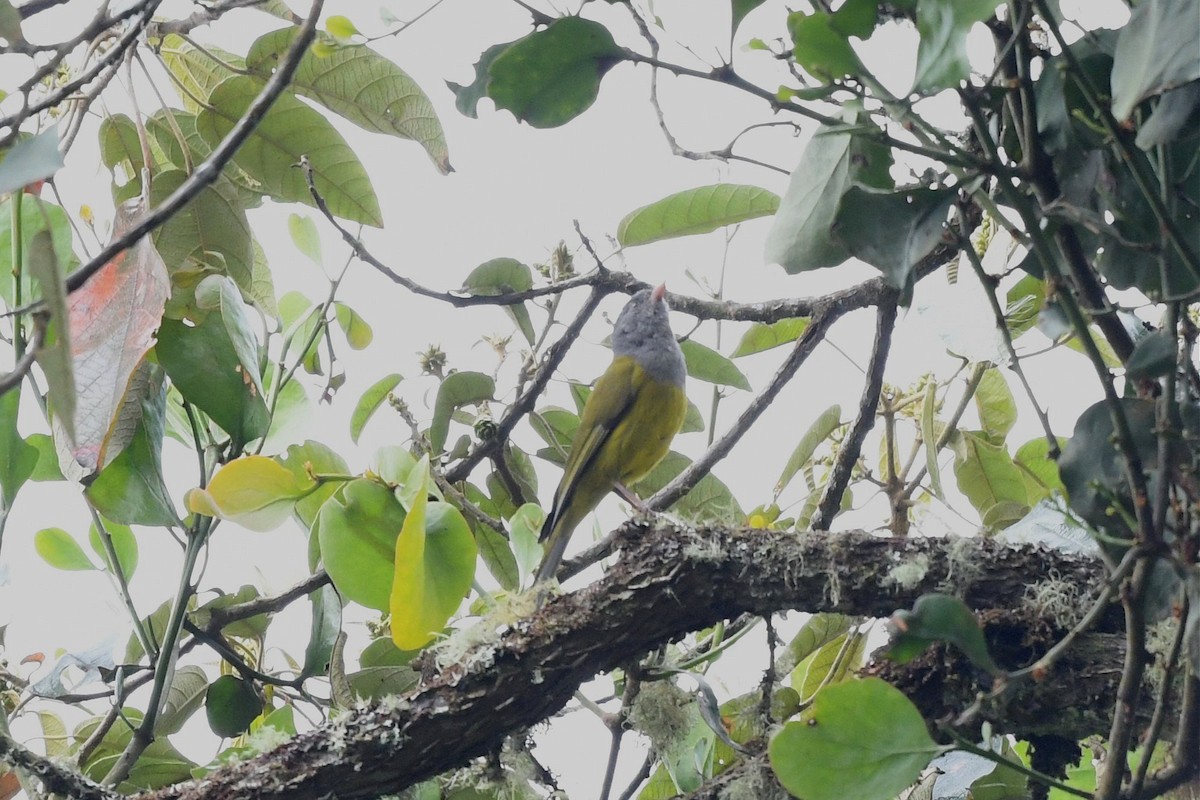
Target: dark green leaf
x,y
18,458
801,237
553,75
943,618
739,9
915,218
942,54
231,704
130,490
467,97
326,625
1156,51
1153,356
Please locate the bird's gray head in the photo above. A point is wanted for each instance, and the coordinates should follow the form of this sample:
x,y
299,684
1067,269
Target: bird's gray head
x,y
643,332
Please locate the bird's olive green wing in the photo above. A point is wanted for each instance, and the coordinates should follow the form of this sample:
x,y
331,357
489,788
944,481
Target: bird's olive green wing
x,y
611,398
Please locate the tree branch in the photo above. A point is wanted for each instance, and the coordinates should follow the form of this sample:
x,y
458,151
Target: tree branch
x,y
668,582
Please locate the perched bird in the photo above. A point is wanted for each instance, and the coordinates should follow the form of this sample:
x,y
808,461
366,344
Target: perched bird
x,y
628,421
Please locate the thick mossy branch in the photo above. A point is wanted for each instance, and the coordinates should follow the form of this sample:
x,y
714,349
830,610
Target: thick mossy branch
x,y
670,581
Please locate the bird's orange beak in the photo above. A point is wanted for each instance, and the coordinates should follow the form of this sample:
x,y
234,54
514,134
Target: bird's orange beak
x,y
659,292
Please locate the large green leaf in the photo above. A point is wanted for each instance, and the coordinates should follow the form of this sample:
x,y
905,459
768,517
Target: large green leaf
x,y
995,404
188,687
434,566
358,527
837,750
820,48
939,617
231,704
693,211
36,215
197,72
802,237
289,131
826,423
709,500
942,54
60,550
1156,51
160,764
361,85
991,481
553,75
370,402
914,222
214,364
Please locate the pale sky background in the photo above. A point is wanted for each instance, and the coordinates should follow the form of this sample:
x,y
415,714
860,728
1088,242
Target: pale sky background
x,y
515,192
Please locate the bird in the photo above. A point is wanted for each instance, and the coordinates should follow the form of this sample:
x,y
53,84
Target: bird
x,y
628,421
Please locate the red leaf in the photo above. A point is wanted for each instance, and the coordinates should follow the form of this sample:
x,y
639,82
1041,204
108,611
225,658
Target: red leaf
x,y
113,318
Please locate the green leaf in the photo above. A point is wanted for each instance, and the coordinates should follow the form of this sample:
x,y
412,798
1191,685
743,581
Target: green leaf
x,y
250,627
694,211
942,54
362,86
198,72
833,662
60,550
458,390
18,458
36,215
434,567
497,557
130,490
553,75
709,500
313,458
706,364
996,406
375,683
526,526
929,437
289,130
214,363
801,237
762,336
819,630
358,332
1156,51
55,354
160,764
358,527
340,27
915,219
256,492
124,544
46,468
231,705
943,618
31,159
835,751
188,687
326,626
988,477
820,48
370,402
1153,356
826,423
739,9
504,276
467,97
304,235
208,235
1040,470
